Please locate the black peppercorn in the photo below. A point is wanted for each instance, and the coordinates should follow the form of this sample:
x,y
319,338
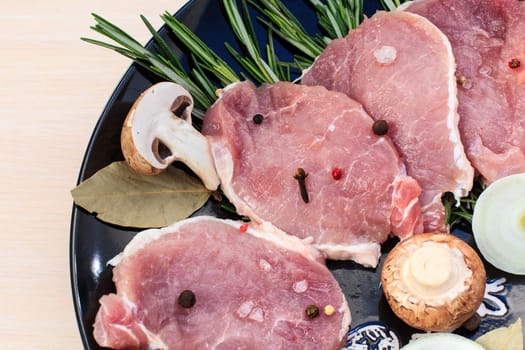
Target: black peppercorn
x,y
258,118
380,127
186,299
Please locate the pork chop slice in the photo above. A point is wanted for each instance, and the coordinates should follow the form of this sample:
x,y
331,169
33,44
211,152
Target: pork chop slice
x,y
486,35
251,289
357,190
401,68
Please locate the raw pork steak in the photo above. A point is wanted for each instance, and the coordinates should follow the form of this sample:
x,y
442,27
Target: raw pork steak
x,y
401,68
251,289
486,35
324,133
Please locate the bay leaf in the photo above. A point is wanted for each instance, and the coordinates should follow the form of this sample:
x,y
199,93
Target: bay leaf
x,y
118,195
503,338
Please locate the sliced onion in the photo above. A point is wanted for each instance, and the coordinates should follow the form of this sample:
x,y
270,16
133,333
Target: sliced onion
x,y
442,341
498,224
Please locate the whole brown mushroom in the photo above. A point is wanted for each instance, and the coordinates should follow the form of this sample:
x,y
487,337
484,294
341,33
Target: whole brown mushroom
x,y
433,281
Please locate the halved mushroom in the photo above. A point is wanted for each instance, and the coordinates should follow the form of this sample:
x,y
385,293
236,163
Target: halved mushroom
x,y
433,281
158,131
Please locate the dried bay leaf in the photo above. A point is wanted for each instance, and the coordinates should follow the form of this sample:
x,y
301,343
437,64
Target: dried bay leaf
x,y
120,196
504,338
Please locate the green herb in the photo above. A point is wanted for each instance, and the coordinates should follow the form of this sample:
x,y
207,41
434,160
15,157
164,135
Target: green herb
x,y
229,209
205,57
338,17
335,17
164,64
209,71
284,23
391,5
457,215
255,65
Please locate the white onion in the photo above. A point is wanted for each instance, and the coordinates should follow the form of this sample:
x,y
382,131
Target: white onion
x,y
498,224
442,341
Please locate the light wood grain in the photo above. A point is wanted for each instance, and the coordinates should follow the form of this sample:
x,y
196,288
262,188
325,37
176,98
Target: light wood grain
x,y
52,91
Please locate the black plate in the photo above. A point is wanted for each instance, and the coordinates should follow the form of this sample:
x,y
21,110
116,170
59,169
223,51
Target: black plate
x,y
93,242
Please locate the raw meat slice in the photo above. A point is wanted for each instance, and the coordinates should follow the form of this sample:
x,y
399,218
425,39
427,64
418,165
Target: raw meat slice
x,y
401,68
251,290
485,35
316,130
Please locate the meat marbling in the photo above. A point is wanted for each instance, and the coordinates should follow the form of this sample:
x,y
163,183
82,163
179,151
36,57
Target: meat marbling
x,y
251,290
485,35
317,130
401,68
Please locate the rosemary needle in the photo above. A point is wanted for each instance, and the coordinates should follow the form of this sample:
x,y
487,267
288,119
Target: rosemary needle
x,y
391,5
242,26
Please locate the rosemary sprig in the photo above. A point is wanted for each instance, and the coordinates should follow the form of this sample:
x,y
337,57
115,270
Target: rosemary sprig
x,y
391,5
338,17
462,213
210,71
289,28
206,57
283,69
254,63
165,65
335,18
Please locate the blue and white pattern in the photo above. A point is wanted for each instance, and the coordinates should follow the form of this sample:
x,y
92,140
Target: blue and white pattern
x,y
495,298
372,336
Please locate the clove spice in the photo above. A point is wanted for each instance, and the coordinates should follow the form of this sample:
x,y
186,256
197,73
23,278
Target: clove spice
x,y
300,176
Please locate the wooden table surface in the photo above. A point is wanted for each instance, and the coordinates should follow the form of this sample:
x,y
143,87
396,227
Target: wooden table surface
x,y
53,89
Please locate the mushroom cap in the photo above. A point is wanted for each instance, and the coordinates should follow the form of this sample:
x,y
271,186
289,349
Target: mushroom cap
x,y
444,295
135,160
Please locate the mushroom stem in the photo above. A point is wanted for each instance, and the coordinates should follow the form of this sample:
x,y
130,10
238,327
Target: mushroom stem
x,y
189,146
430,266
